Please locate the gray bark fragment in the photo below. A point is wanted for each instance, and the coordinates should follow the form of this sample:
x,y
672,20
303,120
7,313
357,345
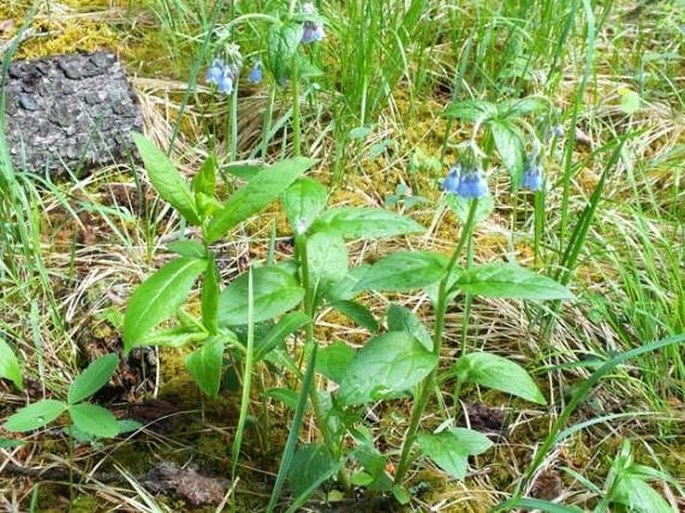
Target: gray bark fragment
x,y
73,112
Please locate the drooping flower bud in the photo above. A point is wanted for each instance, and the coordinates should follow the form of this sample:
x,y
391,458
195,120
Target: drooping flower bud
x,y
533,176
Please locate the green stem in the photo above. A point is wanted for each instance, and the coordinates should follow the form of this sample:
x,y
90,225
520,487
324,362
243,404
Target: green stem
x,y
234,122
429,382
297,151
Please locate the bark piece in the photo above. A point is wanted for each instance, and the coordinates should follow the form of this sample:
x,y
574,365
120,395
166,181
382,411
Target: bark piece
x,y
73,111
188,484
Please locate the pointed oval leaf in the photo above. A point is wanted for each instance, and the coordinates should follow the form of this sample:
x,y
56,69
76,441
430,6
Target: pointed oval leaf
x,y
403,319
333,360
205,363
93,378
493,371
471,110
275,292
303,202
510,281
264,188
404,270
158,297
510,148
9,365
166,179
450,449
358,313
386,367
35,415
94,420
365,223
327,260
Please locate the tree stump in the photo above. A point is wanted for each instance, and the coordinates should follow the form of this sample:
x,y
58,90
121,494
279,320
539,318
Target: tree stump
x,y
69,112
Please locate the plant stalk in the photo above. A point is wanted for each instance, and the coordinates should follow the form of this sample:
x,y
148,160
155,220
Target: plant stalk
x,y
429,382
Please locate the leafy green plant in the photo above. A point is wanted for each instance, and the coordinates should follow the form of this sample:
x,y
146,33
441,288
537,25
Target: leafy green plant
x,y
9,365
89,418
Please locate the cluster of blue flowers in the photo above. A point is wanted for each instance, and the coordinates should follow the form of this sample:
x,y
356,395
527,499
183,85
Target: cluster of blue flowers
x,y
312,30
222,75
466,179
532,178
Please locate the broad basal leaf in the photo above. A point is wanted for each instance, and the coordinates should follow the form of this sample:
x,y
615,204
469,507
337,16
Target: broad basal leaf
x,y
493,371
275,292
358,313
167,180
94,420
450,449
204,364
158,297
386,367
510,281
404,270
365,223
93,378
257,194
35,415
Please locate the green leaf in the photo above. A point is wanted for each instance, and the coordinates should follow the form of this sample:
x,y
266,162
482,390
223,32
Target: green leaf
x,y
401,494
177,336
546,506
510,147
94,419
365,223
93,378
404,270
275,292
450,449
245,171
493,371
510,281
188,248
159,297
9,365
167,180
403,319
327,260
288,324
209,297
281,45
303,202
284,395
634,492
264,188
204,364
386,367
520,107
128,426
309,463
9,443
358,313
471,110
346,288
204,181
630,100
461,206
333,360
35,415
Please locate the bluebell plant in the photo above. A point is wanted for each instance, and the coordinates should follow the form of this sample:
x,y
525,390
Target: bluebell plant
x,y
225,68
533,176
466,179
257,73
312,30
